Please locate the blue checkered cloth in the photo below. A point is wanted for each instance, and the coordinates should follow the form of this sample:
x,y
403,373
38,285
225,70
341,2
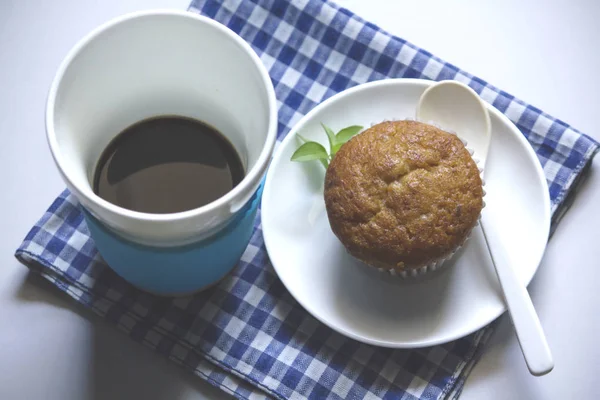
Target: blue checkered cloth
x,y
248,336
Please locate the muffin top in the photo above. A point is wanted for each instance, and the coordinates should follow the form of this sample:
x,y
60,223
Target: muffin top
x,y
403,194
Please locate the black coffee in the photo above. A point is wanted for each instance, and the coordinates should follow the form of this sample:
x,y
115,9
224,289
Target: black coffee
x,y
167,164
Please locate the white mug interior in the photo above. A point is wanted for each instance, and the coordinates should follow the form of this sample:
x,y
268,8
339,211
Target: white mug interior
x,y
160,63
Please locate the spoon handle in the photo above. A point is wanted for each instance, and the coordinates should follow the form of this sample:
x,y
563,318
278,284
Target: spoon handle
x,y
524,318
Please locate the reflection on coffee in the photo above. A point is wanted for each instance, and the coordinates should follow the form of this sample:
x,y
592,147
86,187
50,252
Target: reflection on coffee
x,y
167,164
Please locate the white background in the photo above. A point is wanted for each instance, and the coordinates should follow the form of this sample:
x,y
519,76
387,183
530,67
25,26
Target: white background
x,y
544,52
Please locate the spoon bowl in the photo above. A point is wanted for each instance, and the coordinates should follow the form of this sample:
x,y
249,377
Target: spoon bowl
x,y
456,107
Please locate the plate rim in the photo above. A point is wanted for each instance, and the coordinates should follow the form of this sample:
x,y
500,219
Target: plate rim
x,y
365,86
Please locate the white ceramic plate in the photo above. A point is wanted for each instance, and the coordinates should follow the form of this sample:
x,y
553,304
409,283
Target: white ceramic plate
x,y
374,307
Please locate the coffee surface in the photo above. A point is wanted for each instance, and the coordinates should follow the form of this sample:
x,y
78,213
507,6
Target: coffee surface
x,y
167,164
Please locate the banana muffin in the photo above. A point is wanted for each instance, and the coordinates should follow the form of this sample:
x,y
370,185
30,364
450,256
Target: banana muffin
x,y
403,196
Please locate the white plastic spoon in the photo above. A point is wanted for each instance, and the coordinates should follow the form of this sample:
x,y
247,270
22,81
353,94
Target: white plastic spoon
x,y
456,107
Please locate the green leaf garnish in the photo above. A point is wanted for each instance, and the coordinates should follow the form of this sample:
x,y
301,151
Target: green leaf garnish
x,y
347,133
330,136
310,150
335,148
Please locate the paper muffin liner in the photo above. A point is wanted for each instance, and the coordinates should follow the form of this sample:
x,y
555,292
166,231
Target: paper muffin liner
x,y
439,263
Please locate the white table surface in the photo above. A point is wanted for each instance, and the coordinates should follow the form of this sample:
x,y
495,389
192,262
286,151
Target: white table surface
x,y
544,52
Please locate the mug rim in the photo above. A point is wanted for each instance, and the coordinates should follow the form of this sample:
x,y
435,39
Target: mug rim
x,y
252,176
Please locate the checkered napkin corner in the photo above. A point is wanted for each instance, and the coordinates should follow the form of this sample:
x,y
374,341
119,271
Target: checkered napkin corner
x,y
60,249
247,335
314,49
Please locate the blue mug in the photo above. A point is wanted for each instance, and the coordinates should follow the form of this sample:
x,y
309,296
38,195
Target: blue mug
x,y
143,65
